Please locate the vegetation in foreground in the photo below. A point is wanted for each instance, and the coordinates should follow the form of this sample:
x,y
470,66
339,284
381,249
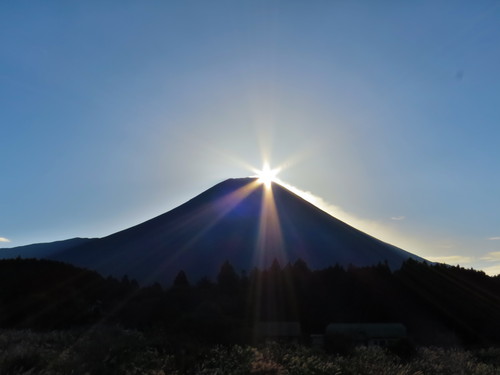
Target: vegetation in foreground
x,y
108,350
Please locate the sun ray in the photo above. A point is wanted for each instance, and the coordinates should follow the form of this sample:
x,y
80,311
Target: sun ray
x,y
270,238
269,246
223,204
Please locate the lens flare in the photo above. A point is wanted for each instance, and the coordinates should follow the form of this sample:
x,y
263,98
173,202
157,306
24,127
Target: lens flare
x,y
267,175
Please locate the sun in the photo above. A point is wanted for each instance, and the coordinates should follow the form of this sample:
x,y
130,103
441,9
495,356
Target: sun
x,y
267,175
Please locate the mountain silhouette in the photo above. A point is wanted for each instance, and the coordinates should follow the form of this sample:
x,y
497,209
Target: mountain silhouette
x,y
41,250
238,220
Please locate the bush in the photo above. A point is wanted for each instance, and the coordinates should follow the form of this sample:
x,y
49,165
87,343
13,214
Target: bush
x,y
111,350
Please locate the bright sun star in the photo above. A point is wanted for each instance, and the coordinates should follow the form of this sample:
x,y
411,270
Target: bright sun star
x,y
267,175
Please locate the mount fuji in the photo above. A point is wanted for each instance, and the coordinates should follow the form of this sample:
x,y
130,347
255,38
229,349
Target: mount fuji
x,y
242,221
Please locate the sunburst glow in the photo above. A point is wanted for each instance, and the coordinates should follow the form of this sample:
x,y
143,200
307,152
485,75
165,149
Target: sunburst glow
x,y
267,175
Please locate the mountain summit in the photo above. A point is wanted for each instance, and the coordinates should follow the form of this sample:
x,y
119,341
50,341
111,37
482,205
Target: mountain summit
x,y
241,221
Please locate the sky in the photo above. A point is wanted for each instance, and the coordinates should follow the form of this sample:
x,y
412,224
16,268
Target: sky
x,y
386,113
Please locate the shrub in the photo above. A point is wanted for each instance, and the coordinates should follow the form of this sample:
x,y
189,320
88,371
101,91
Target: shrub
x,y
108,350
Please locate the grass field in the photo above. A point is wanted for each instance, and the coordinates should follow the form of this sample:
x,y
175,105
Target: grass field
x,y
117,351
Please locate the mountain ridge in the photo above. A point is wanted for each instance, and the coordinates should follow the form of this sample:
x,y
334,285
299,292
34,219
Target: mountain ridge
x,y
239,220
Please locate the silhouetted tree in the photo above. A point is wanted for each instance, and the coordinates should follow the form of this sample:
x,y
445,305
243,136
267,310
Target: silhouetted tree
x,y
438,304
227,279
275,266
181,280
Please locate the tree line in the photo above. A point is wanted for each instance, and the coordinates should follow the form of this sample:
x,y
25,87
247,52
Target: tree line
x,y
439,304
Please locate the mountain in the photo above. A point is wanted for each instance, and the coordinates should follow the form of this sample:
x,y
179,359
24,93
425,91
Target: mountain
x,y
41,250
239,220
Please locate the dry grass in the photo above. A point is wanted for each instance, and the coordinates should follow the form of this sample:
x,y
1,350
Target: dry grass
x,y
116,351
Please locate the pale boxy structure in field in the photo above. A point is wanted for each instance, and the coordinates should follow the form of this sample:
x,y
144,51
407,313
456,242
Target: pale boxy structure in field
x,y
381,334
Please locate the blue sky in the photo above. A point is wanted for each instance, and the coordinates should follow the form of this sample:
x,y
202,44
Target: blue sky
x,y
389,112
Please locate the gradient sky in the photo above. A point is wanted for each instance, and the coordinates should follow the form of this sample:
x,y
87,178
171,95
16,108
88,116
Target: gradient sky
x,y
112,112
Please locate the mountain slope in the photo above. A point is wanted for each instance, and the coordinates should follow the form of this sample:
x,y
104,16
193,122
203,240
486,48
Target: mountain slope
x,y
42,250
236,220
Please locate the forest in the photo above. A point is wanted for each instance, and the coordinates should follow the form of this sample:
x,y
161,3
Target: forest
x,y
438,304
